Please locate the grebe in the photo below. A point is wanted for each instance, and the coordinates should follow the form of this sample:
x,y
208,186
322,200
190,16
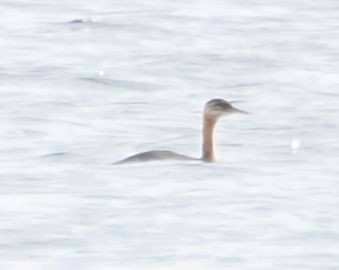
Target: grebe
x,y
214,109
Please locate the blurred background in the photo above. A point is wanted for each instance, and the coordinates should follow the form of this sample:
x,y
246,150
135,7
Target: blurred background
x,y
86,83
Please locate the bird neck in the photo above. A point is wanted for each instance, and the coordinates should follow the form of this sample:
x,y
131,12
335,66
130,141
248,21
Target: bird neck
x,y
208,145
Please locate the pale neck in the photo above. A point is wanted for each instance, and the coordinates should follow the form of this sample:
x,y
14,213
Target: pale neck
x,y
208,144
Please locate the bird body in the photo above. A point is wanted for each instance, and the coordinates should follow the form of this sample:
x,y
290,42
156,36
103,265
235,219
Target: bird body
x,y
156,155
214,109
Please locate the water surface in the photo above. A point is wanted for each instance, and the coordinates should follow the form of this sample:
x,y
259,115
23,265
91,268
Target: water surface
x,y
84,84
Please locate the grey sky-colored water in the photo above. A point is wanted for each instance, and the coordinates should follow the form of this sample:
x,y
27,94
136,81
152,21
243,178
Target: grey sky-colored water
x,y
86,83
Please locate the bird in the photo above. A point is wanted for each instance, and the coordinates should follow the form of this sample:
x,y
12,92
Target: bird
x,y
213,110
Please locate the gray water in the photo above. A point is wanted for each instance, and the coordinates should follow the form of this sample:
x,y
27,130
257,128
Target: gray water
x,y
86,83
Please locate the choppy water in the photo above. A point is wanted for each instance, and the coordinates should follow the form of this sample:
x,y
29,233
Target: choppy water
x,y
86,83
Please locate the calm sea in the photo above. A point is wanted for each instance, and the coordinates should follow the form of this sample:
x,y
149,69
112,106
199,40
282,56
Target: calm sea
x,y
86,83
